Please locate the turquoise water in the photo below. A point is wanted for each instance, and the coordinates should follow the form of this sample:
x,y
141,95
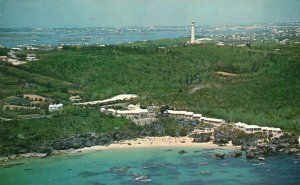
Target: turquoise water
x,y
161,165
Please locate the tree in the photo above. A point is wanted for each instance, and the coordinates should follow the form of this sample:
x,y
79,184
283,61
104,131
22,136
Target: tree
x,y
64,90
19,94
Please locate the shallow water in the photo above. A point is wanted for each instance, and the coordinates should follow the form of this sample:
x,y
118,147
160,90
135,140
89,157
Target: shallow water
x,y
161,165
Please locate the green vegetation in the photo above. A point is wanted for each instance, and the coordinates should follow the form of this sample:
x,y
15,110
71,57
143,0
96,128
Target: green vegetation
x,y
72,120
264,89
4,51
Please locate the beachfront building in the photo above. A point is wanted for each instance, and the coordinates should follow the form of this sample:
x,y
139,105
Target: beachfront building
x,y
55,107
135,113
203,131
185,115
213,121
270,131
132,112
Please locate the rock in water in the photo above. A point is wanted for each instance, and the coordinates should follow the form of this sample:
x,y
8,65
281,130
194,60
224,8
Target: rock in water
x,y
182,152
236,154
220,156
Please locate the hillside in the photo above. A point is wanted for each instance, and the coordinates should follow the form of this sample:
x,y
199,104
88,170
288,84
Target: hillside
x,y
264,89
257,85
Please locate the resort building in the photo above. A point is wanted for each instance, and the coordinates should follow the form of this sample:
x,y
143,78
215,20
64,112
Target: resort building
x,y
203,131
183,115
192,116
213,121
55,107
133,111
270,131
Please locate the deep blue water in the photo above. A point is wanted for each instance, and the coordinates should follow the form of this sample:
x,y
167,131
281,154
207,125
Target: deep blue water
x,y
161,165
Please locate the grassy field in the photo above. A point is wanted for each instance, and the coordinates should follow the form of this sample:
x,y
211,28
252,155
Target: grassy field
x,y
263,87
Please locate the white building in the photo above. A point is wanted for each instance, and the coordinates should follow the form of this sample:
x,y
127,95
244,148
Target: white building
x,y
3,58
212,120
270,131
183,115
133,111
203,41
203,131
192,116
31,57
55,107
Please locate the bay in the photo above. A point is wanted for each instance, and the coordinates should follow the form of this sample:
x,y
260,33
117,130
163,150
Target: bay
x,y
161,165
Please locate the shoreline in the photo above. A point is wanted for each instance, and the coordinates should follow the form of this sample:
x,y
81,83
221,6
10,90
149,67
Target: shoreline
x,y
147,142
154,142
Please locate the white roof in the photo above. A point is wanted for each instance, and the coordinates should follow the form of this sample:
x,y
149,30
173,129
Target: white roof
x,y
211,119
240,124
175,112
115,98
189,113
204,39
197,115
252,126
132,111
111,110
55,105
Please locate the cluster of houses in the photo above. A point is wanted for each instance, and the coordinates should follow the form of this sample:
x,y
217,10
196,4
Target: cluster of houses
x,y
192,116
14,60
270,131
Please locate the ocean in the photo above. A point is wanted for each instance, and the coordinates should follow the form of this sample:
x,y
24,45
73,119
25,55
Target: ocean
x,y
12,37
161,165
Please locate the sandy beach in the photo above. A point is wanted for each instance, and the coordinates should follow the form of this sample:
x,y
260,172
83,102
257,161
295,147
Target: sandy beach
x,y
146,142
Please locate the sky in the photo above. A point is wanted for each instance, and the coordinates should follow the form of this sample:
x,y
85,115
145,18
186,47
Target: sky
x,y
121,13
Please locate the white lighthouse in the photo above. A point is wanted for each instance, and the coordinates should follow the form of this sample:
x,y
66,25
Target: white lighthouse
x,y
193,33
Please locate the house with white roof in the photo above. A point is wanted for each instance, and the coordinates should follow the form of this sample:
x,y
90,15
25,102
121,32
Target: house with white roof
x,y
212,120
183,115
192,116
270,131
133,111
55,107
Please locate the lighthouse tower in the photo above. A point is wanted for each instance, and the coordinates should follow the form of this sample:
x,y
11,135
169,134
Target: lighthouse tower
x,y
193,33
